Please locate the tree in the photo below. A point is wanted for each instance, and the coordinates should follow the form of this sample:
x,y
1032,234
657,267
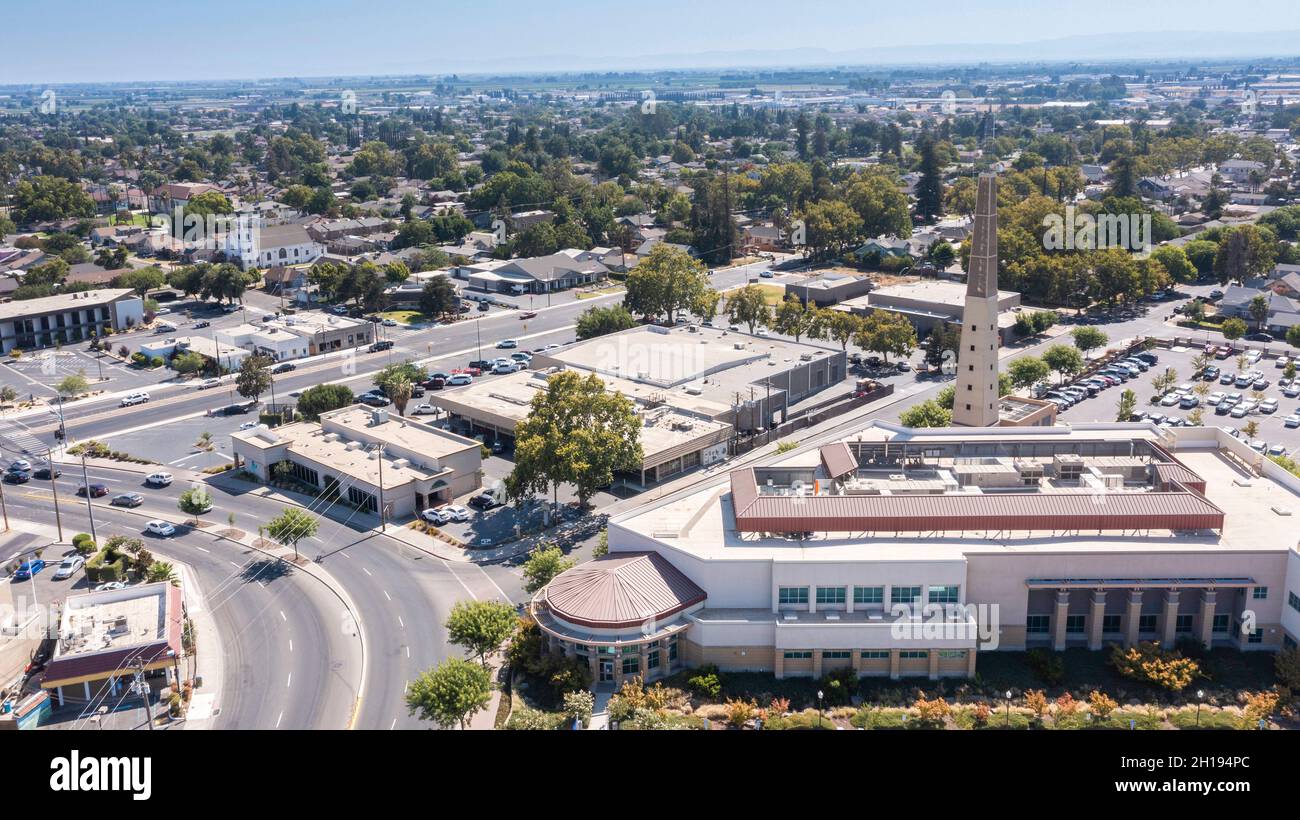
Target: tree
x,y
1063,360
322,398
886,332
665,282
1293,336
141,280
545,561
1233,329
929,413
794,318
836,325
254,379
195,501
291,526
1089,338
438,298
45,198
1127,404
1258,309
187,363
72,386
599,321
1027,371
881,206
398,381
929,188
450,693
160,571
577,432
830,226
748,306
481,626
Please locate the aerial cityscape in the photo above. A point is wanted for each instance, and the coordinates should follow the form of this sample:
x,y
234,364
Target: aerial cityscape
x,y
942,379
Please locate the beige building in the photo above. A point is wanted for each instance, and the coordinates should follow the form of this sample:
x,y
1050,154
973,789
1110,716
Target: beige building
x,y
366,458
975,403
900,552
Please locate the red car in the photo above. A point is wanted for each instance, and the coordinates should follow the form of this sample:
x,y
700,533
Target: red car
x,y
473,371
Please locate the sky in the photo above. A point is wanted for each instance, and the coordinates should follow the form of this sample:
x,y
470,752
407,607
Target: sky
x,y
60,41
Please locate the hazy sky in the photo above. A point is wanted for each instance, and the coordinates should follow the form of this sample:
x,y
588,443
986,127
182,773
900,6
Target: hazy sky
x,y
55,41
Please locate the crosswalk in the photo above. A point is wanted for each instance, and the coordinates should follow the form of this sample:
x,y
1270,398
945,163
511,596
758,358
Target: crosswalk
x,y
16,441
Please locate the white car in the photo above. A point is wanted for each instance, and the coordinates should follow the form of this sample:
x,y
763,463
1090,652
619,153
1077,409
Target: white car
x,y
506,344
207,383
248,425
1170,399
134,399
161,528
389,323
69,565
455,512
502,368
424,410
1282,361
459,380
159,479
1292,420
1268,406
1215,397
110,585
434,516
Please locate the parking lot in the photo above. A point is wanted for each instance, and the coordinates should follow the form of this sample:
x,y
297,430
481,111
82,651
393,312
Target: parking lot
x,y
1270,427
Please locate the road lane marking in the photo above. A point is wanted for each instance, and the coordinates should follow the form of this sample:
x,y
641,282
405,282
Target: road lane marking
x,y
277,720
386,595
400,622
394,726
282,616
289,682
291,644
201,549
366,571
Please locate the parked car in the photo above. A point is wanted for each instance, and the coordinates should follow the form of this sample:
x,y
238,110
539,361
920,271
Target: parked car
x,y
108,586
202,324
1282,361
1215,397
455,512
424,410
527,314
506,367
374,400
159,479
381,345
1277,450
44,473
1227,378
127,500
29,568
68,566
484,501
1268,406
460,379
1292,420
17,477
95,490
434,516
209,383
284,367
160,528
1188,402
522,358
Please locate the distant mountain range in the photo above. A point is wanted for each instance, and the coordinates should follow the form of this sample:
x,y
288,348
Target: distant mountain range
x,y
1194,46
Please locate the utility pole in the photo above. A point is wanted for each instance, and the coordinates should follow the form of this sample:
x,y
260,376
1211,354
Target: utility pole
x,y
90,509
54,487
142,689
4,507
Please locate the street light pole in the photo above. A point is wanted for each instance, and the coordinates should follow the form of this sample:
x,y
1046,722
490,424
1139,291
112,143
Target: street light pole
x,y
1008,708
90,508
54,487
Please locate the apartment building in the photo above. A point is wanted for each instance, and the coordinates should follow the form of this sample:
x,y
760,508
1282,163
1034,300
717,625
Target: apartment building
x,y
67,318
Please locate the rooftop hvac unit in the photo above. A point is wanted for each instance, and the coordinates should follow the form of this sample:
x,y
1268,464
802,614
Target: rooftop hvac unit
x,y
807,357
378,415
354,445
331,437
400,463
693,391
740,345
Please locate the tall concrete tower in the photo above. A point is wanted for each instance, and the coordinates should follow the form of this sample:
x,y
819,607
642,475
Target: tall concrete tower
x,y
976,401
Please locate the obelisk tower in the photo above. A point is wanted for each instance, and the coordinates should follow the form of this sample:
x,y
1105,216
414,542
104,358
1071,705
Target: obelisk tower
x,y
976,401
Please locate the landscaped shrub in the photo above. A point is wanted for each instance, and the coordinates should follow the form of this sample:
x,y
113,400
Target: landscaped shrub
x,y
1048,667
931,714
838,686
83,543
527,719
740,712
106,566
706,682
1101,704
1148,663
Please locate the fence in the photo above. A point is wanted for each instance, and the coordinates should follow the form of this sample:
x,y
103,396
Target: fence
x,y
811,416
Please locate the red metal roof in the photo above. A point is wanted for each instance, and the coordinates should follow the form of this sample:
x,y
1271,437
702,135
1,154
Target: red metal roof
x,y
120,661
621,590
838,459
955,512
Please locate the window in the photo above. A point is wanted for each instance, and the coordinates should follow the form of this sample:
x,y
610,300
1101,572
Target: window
x,y
870,595
836,655
1037,624
798,656
905,595
1256,637
631,665
789,596
1183,626
875,655
672,650
952,654
944,594
1146,623
1259,593
830,595
652,660
914,654
1074,624
1110,623
1293,601
1221,622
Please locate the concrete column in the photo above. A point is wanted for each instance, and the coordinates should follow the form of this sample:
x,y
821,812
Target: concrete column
x,y
1208,606
857,662
85,685
1132,617
593,661
644,661
1058,621
934,664
817,663
1096,617
59,692
1170,624
848,598
812,597
970,662
893,664
778,665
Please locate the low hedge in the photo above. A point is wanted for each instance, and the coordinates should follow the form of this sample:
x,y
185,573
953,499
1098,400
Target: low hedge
x,y
98,572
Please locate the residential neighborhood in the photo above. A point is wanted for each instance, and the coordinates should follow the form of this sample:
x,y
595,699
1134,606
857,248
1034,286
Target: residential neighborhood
x,y
752,382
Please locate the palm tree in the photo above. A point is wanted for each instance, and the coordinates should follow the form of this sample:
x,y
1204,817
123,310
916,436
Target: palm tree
x,y
161,571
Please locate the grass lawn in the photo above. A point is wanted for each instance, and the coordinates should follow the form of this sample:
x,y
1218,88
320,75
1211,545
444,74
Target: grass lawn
x,y
405,317
602,292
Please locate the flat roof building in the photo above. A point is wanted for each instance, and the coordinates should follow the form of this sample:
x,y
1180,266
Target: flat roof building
x,y
360,456
67,318
900,552
105,636
929,304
